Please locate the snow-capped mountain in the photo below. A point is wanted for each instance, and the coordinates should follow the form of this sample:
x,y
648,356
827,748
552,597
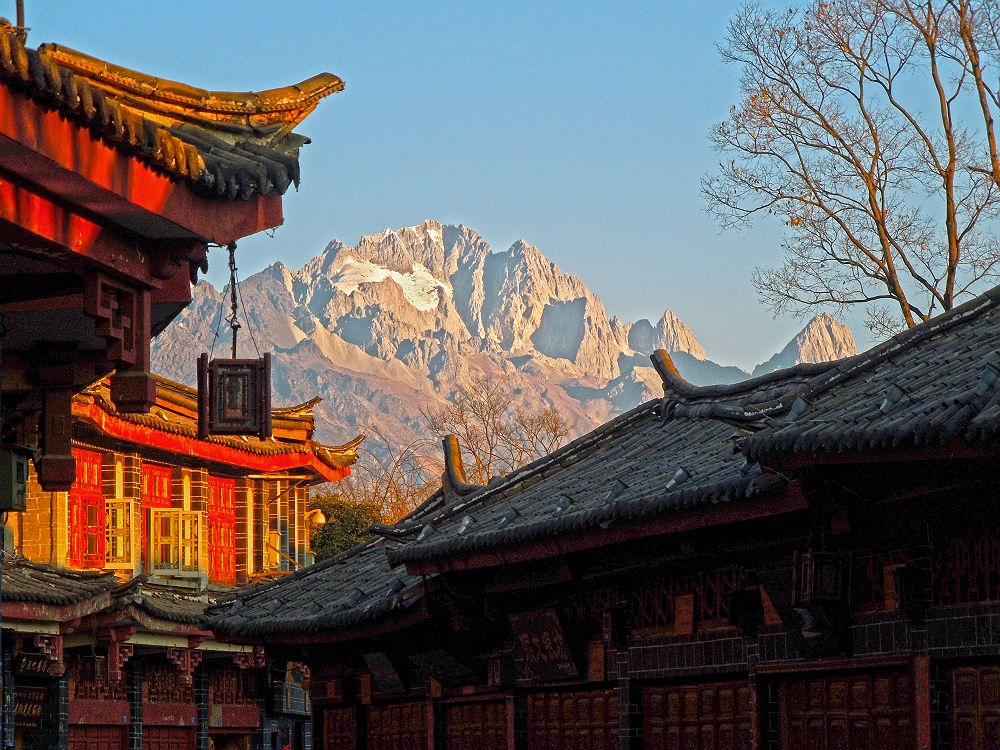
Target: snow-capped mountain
x,y
388,327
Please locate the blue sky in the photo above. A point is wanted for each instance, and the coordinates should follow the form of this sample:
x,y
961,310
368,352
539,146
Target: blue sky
x,y
578,126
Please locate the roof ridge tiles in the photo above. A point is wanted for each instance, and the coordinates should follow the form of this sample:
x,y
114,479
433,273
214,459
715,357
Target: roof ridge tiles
x,y
937,397
675,386
281,99
540,464
631,509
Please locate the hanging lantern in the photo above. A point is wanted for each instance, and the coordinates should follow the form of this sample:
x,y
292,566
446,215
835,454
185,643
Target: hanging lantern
x,y
234,395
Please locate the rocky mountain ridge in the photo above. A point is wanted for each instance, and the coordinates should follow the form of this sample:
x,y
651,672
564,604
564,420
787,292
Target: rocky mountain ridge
x,y
389,327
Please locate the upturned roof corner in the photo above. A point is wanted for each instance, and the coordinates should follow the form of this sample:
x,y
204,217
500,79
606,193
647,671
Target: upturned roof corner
x,y
454,481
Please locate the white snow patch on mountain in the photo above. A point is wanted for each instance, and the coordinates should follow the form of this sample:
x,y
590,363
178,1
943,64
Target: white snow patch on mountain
x,y
420,288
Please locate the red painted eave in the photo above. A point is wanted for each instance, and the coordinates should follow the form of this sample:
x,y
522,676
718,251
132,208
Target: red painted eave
x,y
43,612
66,160
205,450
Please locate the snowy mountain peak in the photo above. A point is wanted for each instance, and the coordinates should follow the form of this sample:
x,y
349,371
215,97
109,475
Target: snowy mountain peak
x,y
388,326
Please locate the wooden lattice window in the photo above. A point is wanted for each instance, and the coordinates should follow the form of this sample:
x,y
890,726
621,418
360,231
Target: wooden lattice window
x,y
222,530
174,542
121,544
86,512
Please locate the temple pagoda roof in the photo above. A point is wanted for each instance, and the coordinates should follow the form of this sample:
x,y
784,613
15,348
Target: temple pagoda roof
x,y
172,425
230,144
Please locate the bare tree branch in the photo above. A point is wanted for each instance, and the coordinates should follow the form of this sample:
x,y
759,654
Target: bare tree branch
x,y
848,128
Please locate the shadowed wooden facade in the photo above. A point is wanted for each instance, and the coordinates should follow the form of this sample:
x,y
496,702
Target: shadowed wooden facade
x,y
805,560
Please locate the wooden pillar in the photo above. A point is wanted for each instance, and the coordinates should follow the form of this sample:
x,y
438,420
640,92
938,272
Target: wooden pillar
x,y
629,714
921,677
133,690
57,467
518,721
756,736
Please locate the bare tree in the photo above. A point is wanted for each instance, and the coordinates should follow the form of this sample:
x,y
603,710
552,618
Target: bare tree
x,y
395,479
496,436
850,127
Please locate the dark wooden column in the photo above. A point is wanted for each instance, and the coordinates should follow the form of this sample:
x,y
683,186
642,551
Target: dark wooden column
x,y
629,714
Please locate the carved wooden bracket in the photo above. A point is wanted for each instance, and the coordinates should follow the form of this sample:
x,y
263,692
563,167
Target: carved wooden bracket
x,y
249,659
115,308
119,652
57,467
186,660
122,316
118,655
51,647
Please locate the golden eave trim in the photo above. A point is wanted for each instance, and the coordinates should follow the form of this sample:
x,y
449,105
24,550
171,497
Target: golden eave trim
x,y
290,99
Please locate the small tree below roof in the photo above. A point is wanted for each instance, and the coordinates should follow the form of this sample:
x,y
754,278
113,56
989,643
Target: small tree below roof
x,y
495,435
347,523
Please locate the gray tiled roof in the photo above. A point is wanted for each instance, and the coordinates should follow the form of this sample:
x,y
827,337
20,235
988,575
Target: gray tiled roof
x,y
25,581
927,386
173,603
941,379
617,473
356,586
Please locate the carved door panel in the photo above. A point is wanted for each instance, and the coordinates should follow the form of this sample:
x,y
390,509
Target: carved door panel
x,y
156,493
397,725
86,512
568,720
167,738
824,712
697,717
97,738
222,530
475,726
975,707
340,728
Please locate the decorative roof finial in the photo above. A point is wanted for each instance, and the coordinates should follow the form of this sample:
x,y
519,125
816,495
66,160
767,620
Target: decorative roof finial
x,y
453,482
21,30
673,382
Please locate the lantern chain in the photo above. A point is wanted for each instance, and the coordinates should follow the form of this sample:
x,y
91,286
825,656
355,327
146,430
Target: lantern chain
x,y
233,319
235,302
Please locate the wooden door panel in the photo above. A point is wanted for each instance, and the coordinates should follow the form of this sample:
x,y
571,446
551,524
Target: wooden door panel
x,y
573,719
97,738
475,726
397,725
697,717
340,728
975,707
843,712
167,738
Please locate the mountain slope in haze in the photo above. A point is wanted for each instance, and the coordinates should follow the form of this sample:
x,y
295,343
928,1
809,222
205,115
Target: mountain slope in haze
x,y
389,327
823,339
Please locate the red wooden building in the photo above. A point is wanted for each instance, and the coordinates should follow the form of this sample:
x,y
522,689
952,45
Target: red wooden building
x,y
104,598
113,186
805,560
